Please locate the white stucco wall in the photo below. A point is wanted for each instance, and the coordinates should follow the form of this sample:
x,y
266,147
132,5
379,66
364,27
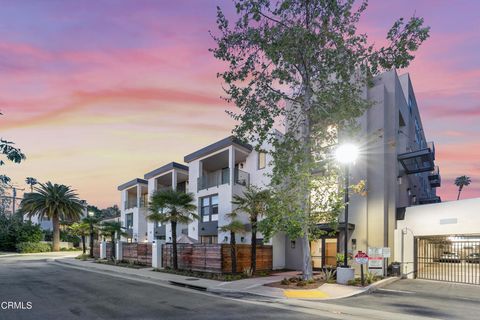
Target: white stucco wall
x,y
446,218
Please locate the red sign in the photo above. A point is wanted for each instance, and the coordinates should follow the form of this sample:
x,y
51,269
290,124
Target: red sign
x,y
361,257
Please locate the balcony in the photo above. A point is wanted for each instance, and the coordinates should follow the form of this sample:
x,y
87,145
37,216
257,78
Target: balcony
x,y
434,199
434,178
418,161
220,177
130,204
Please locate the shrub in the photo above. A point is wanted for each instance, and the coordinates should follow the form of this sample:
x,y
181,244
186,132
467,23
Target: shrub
x,y
248,272
82,257
301,283
285,282
33,247
14,230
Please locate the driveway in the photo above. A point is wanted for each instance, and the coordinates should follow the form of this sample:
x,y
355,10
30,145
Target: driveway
x,y
441,300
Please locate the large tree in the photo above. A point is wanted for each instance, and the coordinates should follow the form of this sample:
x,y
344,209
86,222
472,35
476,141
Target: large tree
x,y
174,207
303,65
55,202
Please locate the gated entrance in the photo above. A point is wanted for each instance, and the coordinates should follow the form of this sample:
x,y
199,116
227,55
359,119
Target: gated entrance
x,y
453,258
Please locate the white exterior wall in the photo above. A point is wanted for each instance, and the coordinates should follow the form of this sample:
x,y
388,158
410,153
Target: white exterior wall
x,y
139,230
446,218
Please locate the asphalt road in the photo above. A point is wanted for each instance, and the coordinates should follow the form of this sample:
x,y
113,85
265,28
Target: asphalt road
x,y
57,292
434,299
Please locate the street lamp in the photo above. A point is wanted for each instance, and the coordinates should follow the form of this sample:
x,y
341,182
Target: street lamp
x,y
91,214
346,154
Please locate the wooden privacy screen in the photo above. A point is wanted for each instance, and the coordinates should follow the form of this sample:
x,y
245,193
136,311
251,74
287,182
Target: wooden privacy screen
x,y
216,257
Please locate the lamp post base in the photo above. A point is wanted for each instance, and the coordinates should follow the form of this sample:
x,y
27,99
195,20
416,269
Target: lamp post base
x,y
345,274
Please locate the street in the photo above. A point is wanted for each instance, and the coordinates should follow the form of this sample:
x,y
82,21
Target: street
x,y
57,292
440,300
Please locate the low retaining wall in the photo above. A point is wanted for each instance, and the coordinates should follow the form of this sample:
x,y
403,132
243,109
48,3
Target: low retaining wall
x,y
216,258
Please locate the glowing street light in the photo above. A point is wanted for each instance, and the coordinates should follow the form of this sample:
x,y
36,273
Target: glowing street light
x,y
346,154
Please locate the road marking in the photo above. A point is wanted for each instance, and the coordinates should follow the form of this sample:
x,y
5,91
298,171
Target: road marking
x,y
396,291
305,294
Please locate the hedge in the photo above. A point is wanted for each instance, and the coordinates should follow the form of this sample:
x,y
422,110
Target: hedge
x,y
33,247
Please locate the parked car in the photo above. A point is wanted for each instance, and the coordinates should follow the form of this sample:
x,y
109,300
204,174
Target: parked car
x,y
473,258
450,257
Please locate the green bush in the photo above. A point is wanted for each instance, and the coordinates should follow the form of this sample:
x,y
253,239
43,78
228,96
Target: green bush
x,y
33,247
285,282
14,230
82,257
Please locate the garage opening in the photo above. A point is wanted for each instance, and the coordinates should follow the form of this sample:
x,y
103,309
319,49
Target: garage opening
x,y
454,258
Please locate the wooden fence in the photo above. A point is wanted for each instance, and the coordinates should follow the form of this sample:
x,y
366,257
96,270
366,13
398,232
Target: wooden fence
x,y
140,253
216,258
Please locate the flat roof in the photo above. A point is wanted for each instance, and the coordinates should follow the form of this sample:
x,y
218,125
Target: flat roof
x,y
226,142
165,168
131,183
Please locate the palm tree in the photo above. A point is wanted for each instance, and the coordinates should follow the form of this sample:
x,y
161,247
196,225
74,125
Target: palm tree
x,y
113,230
31,182
175,207
461,182
55,202
92,221
234,227
80,229
254,204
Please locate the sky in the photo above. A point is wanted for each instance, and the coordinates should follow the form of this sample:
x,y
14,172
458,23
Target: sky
x,y
99,92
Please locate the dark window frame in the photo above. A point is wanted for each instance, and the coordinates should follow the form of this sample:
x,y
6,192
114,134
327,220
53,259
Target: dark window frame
x,y
210,208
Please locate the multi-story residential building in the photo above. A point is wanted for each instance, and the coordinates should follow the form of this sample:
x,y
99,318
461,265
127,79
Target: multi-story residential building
x,y
217,172
396,163
170,176
134,212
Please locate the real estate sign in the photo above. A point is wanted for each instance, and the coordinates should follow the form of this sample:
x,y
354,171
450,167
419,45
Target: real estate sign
x,y
375,260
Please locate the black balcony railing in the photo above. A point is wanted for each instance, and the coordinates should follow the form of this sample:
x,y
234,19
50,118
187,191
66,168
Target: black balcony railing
x,y
418,161
434,178
219,177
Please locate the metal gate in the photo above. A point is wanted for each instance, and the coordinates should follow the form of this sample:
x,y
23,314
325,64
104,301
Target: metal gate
x,y
453,258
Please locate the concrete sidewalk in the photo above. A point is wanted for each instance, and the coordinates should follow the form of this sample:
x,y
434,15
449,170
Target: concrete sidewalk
x,y
252,286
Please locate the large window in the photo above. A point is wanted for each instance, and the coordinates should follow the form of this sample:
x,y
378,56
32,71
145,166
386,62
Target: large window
x,y
129,220
209,208
262,160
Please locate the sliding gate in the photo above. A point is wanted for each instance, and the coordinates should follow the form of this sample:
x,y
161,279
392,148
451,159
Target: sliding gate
x,y
448,258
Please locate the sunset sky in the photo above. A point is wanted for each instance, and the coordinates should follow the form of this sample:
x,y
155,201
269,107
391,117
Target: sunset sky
x,y
99,92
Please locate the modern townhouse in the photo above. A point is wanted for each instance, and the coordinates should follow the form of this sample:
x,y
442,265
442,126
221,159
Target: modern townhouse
x,y
134,211
217,173
170,176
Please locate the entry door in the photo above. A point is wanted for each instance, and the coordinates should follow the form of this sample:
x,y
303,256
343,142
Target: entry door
x,y
331,252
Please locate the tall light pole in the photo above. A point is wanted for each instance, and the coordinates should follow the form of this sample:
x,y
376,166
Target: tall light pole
x,y
90,220
346,154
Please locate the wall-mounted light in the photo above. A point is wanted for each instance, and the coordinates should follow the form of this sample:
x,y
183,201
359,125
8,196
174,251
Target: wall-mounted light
x,y
409,191
242,239
354,244
399,179
414,199
225,239
292,244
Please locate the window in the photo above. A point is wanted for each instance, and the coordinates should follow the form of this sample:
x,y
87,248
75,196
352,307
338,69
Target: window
x,y
209,239
262,160
209,208
129,221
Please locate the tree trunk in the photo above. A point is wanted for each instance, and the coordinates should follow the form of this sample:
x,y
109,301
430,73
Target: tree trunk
x,y
459,191
306,259
83,244
91,240
253,256
112,250
174,244
56,233
233,252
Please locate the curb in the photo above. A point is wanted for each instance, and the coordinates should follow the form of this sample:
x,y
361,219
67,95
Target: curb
x,y
380,284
